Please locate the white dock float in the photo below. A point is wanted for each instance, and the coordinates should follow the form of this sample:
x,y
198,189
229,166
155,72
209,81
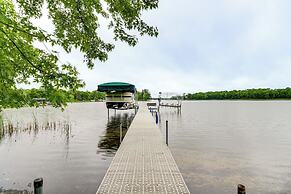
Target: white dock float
x,y
143,162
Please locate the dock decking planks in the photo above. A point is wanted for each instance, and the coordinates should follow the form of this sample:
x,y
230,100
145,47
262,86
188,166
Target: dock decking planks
x,y
143,163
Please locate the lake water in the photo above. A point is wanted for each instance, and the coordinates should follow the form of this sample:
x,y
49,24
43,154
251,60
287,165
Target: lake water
x,y
70,150
216,144
219,144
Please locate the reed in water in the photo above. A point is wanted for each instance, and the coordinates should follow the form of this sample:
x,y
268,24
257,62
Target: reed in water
x,y
8,128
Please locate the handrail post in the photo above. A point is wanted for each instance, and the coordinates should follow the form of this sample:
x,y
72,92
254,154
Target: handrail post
x,y
120,132
37,184
241,189
157,118
167,134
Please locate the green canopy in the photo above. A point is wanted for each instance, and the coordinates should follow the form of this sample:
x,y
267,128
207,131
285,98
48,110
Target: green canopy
x,y
117,87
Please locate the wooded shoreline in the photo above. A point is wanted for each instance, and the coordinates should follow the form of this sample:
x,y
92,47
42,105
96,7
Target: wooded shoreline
x,y
248,94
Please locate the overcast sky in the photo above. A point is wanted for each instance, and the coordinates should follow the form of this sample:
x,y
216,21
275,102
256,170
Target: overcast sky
x,y
203,45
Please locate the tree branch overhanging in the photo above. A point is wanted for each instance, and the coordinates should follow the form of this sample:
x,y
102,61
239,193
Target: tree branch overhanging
x,y
22,53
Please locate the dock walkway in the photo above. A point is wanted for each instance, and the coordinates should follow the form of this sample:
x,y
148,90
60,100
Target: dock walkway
x,y
143,162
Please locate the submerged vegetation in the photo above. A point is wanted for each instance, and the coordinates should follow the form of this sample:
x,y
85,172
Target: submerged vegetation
x,y
260,93
9,128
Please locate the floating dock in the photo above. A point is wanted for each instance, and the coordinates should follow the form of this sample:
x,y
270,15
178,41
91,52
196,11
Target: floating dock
x,y
171,105
143,163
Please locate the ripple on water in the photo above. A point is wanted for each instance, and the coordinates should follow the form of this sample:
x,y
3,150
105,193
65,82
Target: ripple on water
x,y
68,149
219,144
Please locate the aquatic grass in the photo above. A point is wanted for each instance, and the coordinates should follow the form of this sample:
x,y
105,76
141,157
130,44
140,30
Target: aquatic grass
x,y
14,191
8,128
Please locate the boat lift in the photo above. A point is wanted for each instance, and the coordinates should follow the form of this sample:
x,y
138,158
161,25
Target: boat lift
x,y
119,95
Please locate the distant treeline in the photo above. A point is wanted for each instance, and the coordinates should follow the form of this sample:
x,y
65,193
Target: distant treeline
x,y
31,97
260,93
37,97
144,95
71,96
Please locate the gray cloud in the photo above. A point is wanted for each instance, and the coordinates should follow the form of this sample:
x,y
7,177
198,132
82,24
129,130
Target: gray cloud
x,y
203,45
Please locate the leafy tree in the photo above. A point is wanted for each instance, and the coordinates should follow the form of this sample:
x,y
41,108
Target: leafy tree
x,y
260,93
144,95
76,23
33,97
97,96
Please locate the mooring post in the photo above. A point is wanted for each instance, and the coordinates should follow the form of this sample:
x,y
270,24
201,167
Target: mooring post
x,y
167,134
120,132
37,184
157,118
241,189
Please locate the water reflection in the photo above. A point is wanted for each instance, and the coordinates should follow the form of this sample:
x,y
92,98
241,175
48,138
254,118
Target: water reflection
x,y
59,146
167,113
110,140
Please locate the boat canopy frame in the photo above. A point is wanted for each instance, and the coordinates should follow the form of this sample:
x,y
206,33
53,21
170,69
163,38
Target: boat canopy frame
x,y
116,87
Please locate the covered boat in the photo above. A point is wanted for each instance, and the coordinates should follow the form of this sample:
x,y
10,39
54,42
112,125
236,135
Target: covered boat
x,y
119,95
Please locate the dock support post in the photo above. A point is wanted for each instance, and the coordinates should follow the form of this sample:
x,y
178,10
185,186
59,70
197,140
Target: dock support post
x,y
37,184
108,113
157,118
167,133
241,189
120,132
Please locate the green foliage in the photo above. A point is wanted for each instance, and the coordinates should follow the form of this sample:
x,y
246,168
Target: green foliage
x,y
38,97
144,95
76,24
20,60
261,93
88,96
